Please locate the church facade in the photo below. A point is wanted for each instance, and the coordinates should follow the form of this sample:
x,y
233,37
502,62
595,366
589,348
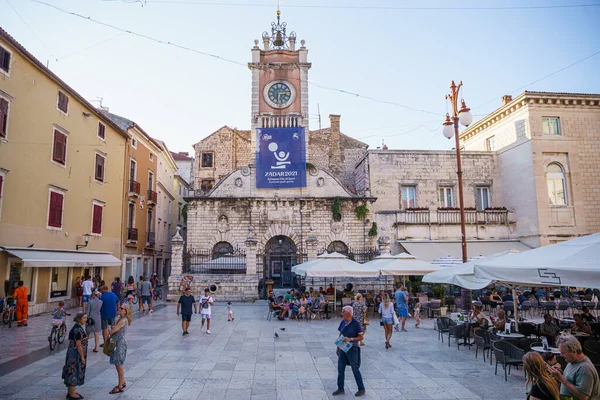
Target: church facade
x,y
239,235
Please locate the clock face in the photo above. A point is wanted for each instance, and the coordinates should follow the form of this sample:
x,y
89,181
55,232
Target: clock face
x,y
279,93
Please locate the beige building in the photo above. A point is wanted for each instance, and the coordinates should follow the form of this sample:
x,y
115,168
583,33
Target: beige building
x,y
61,182
139,229
548,153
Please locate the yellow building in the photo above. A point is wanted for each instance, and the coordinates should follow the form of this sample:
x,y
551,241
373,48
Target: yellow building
x,y
62,168
139,228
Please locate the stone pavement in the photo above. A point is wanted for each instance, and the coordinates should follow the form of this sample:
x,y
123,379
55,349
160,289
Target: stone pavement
x,y
243,360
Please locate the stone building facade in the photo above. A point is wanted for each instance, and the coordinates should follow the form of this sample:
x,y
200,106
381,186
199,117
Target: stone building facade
x,y
548,150
240,236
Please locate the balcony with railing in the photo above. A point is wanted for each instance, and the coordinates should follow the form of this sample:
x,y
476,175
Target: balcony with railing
x,y
279,121
493,223
132,234
150,239
134,188
152,196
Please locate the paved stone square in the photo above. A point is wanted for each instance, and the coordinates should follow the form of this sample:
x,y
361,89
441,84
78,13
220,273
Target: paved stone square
x,y
243,360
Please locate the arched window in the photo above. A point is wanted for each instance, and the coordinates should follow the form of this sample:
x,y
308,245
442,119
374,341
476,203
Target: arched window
x,y
338,246
222,248
557,185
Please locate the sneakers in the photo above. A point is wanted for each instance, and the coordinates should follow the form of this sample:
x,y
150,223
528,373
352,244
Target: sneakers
x,y
313,316
338,392
207,332
150,312
397,328
403,330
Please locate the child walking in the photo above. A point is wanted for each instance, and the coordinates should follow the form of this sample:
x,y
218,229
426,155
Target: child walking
x,y
417,314
229,311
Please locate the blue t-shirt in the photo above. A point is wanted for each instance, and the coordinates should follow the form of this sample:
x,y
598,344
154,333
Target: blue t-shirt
x,y
186,304
400,298
351,330
109,305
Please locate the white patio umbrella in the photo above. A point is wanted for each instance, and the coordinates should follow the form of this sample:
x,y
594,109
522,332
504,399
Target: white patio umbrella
x,y
571,263
463,274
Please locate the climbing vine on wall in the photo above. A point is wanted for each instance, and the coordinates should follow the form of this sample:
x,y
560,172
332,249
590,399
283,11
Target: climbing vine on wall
x,y
361,211
336,209
373,230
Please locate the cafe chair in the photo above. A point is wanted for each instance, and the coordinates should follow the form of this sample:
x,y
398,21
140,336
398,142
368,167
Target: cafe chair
x,y
564,306
508,355
550,308
443,324
481,342
492,338
459,332
525,308
435,307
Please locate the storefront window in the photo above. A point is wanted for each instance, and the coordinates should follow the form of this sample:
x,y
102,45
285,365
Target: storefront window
x,y
20,273
59,282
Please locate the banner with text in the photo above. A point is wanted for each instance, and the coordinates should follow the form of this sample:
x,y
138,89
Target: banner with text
x,y
280,158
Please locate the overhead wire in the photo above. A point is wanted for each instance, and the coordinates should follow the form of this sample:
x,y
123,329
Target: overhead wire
x,y
369,7
31,29
186,48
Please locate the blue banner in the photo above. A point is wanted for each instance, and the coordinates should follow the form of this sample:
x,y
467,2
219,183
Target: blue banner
x,y
280,158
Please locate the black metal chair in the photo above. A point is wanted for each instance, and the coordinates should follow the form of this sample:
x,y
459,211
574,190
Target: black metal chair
x,y
525,344
508,355
549,307
509,308
492,338
443,324
563,306
459,332
481,342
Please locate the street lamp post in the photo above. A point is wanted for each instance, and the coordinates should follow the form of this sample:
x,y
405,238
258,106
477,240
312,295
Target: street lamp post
x,y
451,129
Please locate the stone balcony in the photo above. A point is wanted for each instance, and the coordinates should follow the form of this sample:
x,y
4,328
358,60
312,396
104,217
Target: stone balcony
x,y
445,224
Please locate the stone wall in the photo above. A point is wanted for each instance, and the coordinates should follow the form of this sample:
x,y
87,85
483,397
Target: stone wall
x,y
228,287
428,171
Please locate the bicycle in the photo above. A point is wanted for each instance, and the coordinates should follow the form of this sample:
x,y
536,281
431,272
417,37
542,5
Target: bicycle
x,y
58,334
8,312
157,293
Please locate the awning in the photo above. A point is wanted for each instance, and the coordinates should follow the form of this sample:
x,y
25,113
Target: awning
x,y
62,258
429,250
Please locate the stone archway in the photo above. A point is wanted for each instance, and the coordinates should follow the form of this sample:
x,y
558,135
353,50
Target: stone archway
x,y
280,255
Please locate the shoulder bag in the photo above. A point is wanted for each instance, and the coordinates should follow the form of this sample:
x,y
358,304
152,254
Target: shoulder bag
x,y
90,320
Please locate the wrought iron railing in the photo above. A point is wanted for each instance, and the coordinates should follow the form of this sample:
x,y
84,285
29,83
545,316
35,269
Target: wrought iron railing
x,y
207,262
152,196
134,187
361,256
132,234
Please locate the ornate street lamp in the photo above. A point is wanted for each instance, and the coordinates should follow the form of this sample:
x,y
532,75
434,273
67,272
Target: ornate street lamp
x,y
451,129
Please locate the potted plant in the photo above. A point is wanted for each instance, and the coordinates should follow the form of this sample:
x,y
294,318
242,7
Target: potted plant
x,y
439,291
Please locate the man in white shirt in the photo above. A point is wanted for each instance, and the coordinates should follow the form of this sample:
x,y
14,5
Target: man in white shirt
x,y
88,287
206,301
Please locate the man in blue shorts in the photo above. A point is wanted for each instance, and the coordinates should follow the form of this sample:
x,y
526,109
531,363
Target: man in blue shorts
x,y
108,311
185,304
402,305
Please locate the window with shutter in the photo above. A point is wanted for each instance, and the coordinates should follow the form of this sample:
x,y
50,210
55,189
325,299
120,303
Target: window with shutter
x,y
3,118
4,60
59,153
55,210
101,131
99,174
63,102
97,220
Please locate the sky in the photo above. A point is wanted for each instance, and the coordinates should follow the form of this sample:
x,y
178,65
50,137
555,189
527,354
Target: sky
x,y
400,61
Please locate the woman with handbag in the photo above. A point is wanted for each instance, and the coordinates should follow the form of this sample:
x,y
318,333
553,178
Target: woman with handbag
x,y
386,309
94,320
73,373
118,346
360,313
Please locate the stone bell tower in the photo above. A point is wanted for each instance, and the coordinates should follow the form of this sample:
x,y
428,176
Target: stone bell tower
x,y
279,81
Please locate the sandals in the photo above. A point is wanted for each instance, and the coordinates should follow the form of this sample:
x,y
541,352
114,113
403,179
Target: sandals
x,y
116,390
95,351
74,398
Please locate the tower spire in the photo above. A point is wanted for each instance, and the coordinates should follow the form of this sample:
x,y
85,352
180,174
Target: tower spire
x,y
279,39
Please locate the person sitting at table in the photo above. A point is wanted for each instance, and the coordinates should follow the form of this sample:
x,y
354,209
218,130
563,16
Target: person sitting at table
x,y
520,299
500,322
478,318
330,289
580,325
318,302
586,316
549,329
276,307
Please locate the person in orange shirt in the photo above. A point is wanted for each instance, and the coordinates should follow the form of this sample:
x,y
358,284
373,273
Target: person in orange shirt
x,y
22,304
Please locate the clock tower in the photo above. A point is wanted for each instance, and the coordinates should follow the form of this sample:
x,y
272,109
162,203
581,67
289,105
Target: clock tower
x,y
279,81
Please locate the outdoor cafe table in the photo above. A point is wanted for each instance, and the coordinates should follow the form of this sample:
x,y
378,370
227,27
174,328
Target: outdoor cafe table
x,y
540,349
510,335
